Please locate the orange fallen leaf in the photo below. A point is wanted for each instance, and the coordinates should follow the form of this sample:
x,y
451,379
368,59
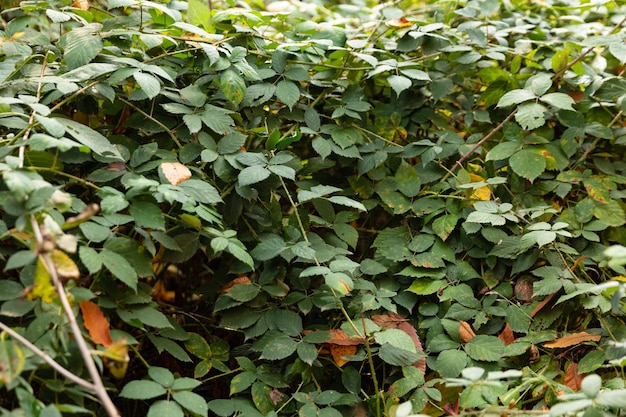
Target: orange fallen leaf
x,y
341,338
572,378
339,351
237,281
572,340
507,335
175,172
466,332
96,323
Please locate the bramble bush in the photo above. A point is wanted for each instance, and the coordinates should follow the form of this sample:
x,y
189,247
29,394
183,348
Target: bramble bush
x,y
312,208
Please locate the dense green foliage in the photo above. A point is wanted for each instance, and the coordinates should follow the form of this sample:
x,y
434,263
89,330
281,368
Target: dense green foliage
x,y
313,209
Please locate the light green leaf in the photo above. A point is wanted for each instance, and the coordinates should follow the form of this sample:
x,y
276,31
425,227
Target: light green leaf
x,y
161,375
618,50
415,74
397,338
539,84
515,97
95,232
82,45
287,92
502,151
345,201
444,225
217,119
339,282
148,83
253,174
531,115
399,83
558,100
90,258
528,164
283,171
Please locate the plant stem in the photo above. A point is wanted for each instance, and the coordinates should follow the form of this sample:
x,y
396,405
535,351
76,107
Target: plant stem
x,y
98,386
46,358
459,163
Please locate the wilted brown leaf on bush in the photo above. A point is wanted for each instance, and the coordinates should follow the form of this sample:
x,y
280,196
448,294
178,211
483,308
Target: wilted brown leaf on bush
x,y
572,340
236,281
465,331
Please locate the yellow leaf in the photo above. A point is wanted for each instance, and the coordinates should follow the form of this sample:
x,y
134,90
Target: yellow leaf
x,y
65,266
399,23
115,358
175,172
481,193
42,285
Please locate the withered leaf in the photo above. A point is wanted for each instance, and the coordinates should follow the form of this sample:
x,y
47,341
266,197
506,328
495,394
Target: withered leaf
x,y
237,281
572,378
96,323
339,351
175,172
572,340
507,335
465,331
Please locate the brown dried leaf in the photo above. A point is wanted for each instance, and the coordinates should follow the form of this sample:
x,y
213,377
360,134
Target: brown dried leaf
x,y
388,321
524,290
175,172
341,338
239,280
541,305
572,378
408,328
81,4
96,323
572,340
339,351
507,335
465,331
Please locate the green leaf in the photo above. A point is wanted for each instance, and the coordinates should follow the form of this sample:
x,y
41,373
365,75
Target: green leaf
x,y
287,92
611,213
307,352
217,119
279,347
192,402
399,83
528,164
531,115
233,86
252,175
142,390
243,292
165,408
147,215
485,348
345,201
12,359
148,83
261,397
95,232
90,258
444,225
558,100
539,83
515,97
339,282
242,381
397,338
407,180
502,151
161,375
200,191
90,138
119,267
450,363
82,45
238,251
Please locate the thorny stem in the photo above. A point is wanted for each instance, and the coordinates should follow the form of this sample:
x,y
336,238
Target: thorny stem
x,y
370,360
46,358
161,125
98,386
459,163
31,119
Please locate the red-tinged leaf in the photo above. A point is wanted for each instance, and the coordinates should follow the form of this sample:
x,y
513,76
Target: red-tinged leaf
x,y
341,338
96,323
237,281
